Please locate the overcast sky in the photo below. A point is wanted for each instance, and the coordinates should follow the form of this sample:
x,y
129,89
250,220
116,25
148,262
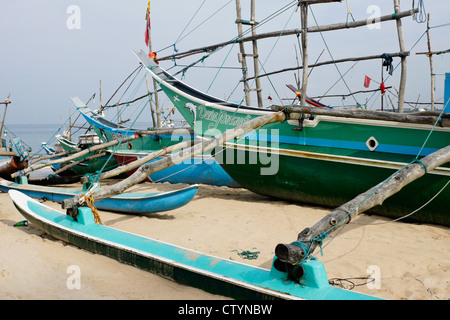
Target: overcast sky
x,y
52,50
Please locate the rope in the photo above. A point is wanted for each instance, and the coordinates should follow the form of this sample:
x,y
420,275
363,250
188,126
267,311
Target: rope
x,y
421,16
89,199
329,52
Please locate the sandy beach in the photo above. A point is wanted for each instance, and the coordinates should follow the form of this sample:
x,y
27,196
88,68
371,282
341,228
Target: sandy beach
x,y
411,261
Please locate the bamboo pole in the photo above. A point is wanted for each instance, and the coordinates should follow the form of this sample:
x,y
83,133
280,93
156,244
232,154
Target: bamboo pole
x,y
256,55
293,254
371,57
151,103
243,55
145,170
401,94
428,118
290,32
430,56
304,18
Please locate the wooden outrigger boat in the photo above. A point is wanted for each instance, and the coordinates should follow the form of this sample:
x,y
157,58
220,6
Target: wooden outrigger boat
x,y
128,203
200,169
189,267
321,156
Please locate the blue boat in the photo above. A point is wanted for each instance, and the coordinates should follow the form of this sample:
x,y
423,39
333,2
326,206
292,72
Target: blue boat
x,y
128,203
216,275
202,169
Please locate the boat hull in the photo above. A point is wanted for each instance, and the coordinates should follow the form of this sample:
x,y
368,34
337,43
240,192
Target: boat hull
x,y
321,160
204,170
188,267
331,182
128,203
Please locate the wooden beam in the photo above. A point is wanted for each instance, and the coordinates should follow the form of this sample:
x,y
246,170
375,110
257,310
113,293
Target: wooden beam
x,y
429,118
402,87
434,52
293,254
145,170
283,33
372,57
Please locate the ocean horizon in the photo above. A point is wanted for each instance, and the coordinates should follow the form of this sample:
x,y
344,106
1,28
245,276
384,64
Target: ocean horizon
x,y
33,135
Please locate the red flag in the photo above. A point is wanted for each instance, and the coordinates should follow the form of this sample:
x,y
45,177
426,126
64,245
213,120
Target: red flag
x,y
148,27
367,82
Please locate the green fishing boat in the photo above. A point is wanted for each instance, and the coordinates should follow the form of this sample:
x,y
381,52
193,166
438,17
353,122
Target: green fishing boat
x,y
322,160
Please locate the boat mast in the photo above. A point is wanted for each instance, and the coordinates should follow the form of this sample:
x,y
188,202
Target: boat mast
x,y
243,55
401,94
155,85
6,102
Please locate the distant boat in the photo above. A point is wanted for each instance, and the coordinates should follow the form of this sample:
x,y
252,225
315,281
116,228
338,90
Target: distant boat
x,y
85,141
128,203
203,169
15,156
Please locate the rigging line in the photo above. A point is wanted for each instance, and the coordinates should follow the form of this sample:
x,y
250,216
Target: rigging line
x,y
140,66
269,54
409,214
262,22
332,58
388,76
195,14
131,82
270,81
217,73
338,80
204,21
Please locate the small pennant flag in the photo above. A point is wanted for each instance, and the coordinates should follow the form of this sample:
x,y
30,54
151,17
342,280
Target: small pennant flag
x,y
148,26
367,82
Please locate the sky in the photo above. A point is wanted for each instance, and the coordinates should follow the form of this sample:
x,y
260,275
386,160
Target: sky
x,y
52,50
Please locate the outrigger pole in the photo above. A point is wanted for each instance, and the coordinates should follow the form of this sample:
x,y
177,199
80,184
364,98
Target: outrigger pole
x,y
293,254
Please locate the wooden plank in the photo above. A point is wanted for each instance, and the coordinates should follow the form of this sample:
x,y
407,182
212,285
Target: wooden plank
x,y
428,118
283,33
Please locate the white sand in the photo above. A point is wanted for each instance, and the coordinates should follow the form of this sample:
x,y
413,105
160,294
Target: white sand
x,y
412,260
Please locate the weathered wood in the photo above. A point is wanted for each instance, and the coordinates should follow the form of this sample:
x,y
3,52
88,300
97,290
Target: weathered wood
x,y
145,170
401,41
434,52
283,33
5,153
430,56
74,156
304,22
256,56
242,52
293,254
371,57
428,118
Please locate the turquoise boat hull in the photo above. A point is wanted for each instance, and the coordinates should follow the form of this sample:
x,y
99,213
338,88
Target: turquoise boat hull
x,y
189,267
128,203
